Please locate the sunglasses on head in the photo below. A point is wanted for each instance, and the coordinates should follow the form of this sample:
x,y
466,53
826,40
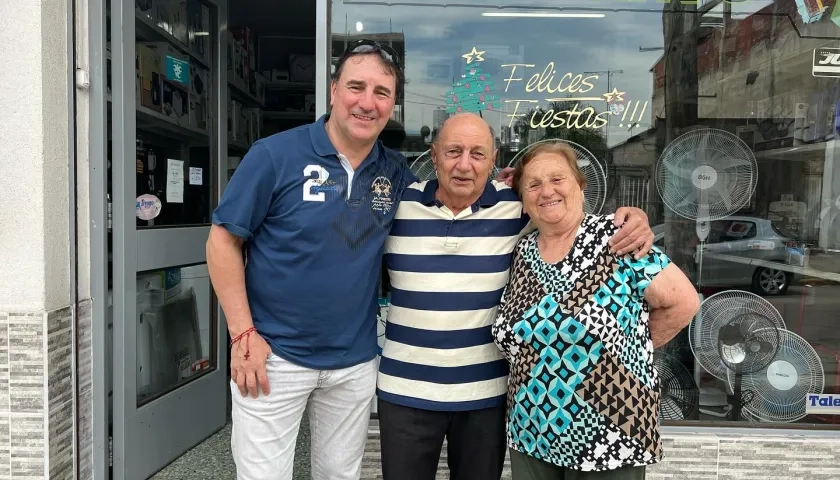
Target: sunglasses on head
x,y
369,46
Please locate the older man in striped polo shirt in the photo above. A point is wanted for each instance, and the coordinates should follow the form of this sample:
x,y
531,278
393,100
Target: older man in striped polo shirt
x,y
448,255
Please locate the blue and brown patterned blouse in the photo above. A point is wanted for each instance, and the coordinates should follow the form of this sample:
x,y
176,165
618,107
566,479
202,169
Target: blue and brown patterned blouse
x,y
582,392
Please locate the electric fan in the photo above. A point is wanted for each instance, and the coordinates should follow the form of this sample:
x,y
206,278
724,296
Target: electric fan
x,y
737,333
780,388
595,193
679,397
706,175
423,168
381,321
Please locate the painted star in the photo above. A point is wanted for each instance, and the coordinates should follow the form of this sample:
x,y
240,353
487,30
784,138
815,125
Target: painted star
x,y
614,96
474,53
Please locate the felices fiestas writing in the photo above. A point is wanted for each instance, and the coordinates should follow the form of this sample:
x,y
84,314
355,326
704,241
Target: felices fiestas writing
x,y
551,82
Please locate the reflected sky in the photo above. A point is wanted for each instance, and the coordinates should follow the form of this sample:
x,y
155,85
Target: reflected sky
x,y
437,37
626,41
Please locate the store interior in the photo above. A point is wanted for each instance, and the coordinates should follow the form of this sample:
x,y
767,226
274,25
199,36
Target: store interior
x,y
271,87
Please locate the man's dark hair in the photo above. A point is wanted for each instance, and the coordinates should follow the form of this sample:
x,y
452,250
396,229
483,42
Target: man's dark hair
x,y
392,68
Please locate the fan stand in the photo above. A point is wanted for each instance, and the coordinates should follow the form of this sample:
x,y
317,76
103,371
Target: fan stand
x,y
735,397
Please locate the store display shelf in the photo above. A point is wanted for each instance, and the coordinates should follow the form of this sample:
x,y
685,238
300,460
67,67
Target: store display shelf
x,y
242,146
148,31
240,93
275,115
154,122
291,86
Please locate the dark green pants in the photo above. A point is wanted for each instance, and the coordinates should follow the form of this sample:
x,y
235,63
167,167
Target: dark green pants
x,y
526,467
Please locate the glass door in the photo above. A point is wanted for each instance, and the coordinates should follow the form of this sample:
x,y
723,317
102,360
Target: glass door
x,y
169,375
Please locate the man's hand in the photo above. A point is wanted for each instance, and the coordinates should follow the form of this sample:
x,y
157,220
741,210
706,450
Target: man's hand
x,y
634,234
505,175
249,374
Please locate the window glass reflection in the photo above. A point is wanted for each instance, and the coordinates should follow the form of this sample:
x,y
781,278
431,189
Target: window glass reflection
x,y
719,119
175,329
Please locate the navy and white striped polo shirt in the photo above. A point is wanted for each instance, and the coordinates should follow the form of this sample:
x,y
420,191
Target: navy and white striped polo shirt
x,y
447,275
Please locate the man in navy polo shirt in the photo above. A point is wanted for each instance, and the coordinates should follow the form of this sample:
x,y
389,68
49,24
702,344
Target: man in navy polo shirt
x,y
311,208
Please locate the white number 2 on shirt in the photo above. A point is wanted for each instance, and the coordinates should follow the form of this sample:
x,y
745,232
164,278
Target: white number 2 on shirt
x,y
321,177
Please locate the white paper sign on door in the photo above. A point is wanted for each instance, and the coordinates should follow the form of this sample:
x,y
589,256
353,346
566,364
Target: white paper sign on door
x,y
174,181
195,176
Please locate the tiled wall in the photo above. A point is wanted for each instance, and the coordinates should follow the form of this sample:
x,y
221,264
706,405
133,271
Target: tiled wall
x,y
84,370
36,364
730,457
691,456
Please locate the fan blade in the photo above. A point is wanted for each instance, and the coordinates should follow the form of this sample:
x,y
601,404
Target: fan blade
x,y
679,169
688,200
724,195
723,162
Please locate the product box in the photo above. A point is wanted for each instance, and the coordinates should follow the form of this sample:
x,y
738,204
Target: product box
x,y
179,20
235,126
145,8
261,85
244,36
237,71
151,77
243,128
198,30
163,10
175,81
199,97
254,117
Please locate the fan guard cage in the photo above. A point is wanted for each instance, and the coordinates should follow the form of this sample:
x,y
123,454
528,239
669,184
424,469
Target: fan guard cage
x,y
595,193
755,341
422,167
778,397
706,166
717,311
680,397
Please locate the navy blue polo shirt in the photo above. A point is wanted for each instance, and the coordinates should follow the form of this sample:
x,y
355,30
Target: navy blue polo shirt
x,y
314,243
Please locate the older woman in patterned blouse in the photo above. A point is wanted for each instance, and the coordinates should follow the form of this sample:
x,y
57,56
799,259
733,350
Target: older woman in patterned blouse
x,y
578,326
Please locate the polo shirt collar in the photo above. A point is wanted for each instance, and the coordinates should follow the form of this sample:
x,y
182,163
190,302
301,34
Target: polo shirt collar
x,y
323,146
489,197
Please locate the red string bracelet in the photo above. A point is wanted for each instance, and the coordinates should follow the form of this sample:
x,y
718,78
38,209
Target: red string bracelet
x,y
247,335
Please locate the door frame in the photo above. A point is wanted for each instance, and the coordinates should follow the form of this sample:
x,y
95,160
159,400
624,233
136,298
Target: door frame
x,y
147,438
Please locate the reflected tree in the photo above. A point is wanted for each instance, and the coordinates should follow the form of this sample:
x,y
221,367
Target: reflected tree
x,y
590,138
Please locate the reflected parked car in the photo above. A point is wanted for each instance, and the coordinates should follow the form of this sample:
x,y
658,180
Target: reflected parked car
x,y
732,244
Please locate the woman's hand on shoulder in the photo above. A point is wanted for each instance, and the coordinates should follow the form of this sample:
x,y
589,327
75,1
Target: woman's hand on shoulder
x,y
634,234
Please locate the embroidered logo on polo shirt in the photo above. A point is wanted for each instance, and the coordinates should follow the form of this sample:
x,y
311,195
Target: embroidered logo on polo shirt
x,y
382,200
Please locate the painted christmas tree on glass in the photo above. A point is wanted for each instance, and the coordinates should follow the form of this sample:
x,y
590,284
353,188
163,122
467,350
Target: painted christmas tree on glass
x,y
472,92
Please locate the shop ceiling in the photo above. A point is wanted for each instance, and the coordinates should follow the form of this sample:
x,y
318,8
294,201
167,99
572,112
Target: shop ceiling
x,y
275,18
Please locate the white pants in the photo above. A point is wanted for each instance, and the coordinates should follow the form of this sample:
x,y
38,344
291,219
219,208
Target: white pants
x,y
265,428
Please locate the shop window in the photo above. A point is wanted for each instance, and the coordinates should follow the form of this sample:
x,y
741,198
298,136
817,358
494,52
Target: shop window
x,y
737,99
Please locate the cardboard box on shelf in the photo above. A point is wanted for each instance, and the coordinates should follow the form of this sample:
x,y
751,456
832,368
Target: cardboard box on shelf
x,y
237,71
151,77
243,128
261,84
145,8
179,20
199,29
163,10
175,81
245,37
254,116
199,97
235,123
